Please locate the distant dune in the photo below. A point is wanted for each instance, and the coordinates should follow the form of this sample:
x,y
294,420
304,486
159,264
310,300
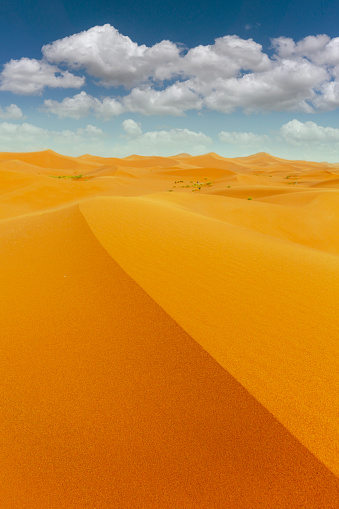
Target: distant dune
x,y
169,332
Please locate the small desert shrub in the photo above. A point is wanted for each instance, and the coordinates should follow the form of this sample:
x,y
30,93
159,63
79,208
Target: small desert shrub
x,y
73,177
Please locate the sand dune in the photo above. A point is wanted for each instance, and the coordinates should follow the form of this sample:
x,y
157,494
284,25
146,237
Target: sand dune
x,y
48,159
169,332
327,183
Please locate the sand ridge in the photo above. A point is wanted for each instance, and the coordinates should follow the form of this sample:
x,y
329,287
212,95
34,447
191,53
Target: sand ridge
x,y
169,332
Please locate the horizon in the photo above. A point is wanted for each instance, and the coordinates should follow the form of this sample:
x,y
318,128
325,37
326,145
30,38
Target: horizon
x,y
169,156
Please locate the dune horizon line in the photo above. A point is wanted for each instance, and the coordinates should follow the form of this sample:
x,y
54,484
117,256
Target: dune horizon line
x,y
178,155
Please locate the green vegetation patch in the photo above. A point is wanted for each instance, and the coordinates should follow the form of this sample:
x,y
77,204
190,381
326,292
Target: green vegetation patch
x,y
195,185
72,177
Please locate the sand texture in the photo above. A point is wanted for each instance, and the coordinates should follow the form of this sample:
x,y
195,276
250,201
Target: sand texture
x,y
169,332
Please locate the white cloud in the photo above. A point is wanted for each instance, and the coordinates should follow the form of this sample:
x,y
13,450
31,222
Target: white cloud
x,y
114,58
224,59
308,133
108,108
229,74
244,139
328,98
71,107
29,76
173,100
131,128
11,112
287,86
91,130
83,104
118,61
165,79
319,49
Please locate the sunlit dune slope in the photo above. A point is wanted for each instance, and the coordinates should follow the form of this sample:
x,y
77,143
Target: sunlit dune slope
x,y
169,332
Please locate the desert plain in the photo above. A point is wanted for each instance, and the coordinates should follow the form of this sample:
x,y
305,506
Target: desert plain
x,y
169,332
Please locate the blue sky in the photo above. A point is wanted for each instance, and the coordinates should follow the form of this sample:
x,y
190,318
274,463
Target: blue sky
x,y
163,77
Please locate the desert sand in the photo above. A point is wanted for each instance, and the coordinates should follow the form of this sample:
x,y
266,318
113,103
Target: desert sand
x,y
169,332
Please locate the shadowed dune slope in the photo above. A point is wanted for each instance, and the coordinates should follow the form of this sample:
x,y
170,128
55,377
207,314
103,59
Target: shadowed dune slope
x,y
107,402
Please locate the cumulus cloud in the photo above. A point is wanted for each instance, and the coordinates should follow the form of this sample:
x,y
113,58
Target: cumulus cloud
x,y
114,58
224,59
328,97
118,61
29,76
244,139
322,52
320,49
173,100
288,86
308,133
132,128
83,104
229,74
11,112
167,79
90,130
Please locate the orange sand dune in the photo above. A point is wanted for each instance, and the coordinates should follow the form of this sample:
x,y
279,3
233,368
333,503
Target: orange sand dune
x,y
132,161
327,183
48,159
167,342
237,190
199,173
18,166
